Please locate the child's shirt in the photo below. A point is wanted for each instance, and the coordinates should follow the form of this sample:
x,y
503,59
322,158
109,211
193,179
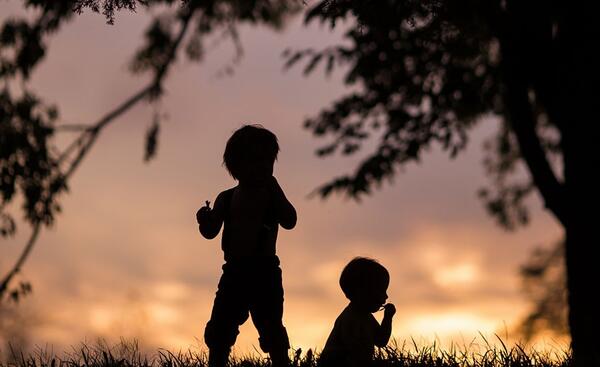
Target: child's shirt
x,y
352,340
249,223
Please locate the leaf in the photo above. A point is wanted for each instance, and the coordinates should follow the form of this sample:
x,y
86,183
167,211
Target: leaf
x,y
194,50
7,225
330,64
313,63
293,59
152,140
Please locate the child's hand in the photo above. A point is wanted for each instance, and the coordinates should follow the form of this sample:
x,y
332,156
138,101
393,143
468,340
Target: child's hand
x,y
390,310
202,213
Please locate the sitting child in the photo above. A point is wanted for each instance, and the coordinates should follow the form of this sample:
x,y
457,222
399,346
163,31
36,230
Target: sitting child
x,y
356,332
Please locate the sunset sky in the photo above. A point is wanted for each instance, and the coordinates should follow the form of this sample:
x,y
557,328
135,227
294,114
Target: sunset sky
x,y
125,258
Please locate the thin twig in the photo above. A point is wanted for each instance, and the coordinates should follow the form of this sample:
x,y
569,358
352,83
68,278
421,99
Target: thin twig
x,y
73,127
17,267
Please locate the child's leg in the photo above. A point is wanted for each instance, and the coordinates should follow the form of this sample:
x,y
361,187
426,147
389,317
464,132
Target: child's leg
x,y
279,356
230,310
273,336
266,308
218,357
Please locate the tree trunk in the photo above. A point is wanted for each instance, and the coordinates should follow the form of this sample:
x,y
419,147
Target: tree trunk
x,y
579,79
583,249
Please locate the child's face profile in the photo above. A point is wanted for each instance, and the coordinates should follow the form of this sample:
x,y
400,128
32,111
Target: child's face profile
x,y
376,297
372,298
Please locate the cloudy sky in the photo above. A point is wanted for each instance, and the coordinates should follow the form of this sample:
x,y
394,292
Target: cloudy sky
x,y
125,257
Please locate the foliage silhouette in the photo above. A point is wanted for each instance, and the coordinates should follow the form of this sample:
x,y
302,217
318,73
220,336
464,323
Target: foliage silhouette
x,y
544,281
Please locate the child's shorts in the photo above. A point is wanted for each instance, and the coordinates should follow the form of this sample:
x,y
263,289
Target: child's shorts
x,y
251,285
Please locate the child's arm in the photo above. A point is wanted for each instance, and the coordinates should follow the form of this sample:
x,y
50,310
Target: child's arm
x,y
385,330
211,220
286,213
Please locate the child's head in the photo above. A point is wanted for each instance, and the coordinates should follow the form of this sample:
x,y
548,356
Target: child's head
x,y
250,154
364,281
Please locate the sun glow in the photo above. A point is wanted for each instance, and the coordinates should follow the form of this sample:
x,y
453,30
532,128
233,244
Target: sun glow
x,y
450,324
100,319
461,274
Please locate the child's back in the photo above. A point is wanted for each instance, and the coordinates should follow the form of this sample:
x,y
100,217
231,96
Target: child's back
x,y
250,224
352,339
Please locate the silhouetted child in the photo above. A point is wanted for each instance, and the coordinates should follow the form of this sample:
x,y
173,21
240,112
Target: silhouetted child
x,y
251,213
356,332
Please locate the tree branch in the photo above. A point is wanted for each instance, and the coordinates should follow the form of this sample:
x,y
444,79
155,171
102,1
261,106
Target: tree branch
x,y
91,134
523,125
17,267
72,127
522,119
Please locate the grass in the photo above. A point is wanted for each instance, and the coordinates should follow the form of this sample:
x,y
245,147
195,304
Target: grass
x,y
128,354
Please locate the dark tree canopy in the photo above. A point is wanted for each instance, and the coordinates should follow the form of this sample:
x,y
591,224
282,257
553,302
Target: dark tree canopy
x,y
427,72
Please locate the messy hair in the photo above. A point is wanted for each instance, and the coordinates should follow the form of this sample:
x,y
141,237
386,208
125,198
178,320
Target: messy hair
x,y
248,141
360,274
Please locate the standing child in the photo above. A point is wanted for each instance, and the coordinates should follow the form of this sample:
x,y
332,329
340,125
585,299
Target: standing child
x,y
356,332
251,213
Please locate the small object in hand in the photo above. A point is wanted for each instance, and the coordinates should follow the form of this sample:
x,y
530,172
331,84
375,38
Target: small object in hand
x,y
203,211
